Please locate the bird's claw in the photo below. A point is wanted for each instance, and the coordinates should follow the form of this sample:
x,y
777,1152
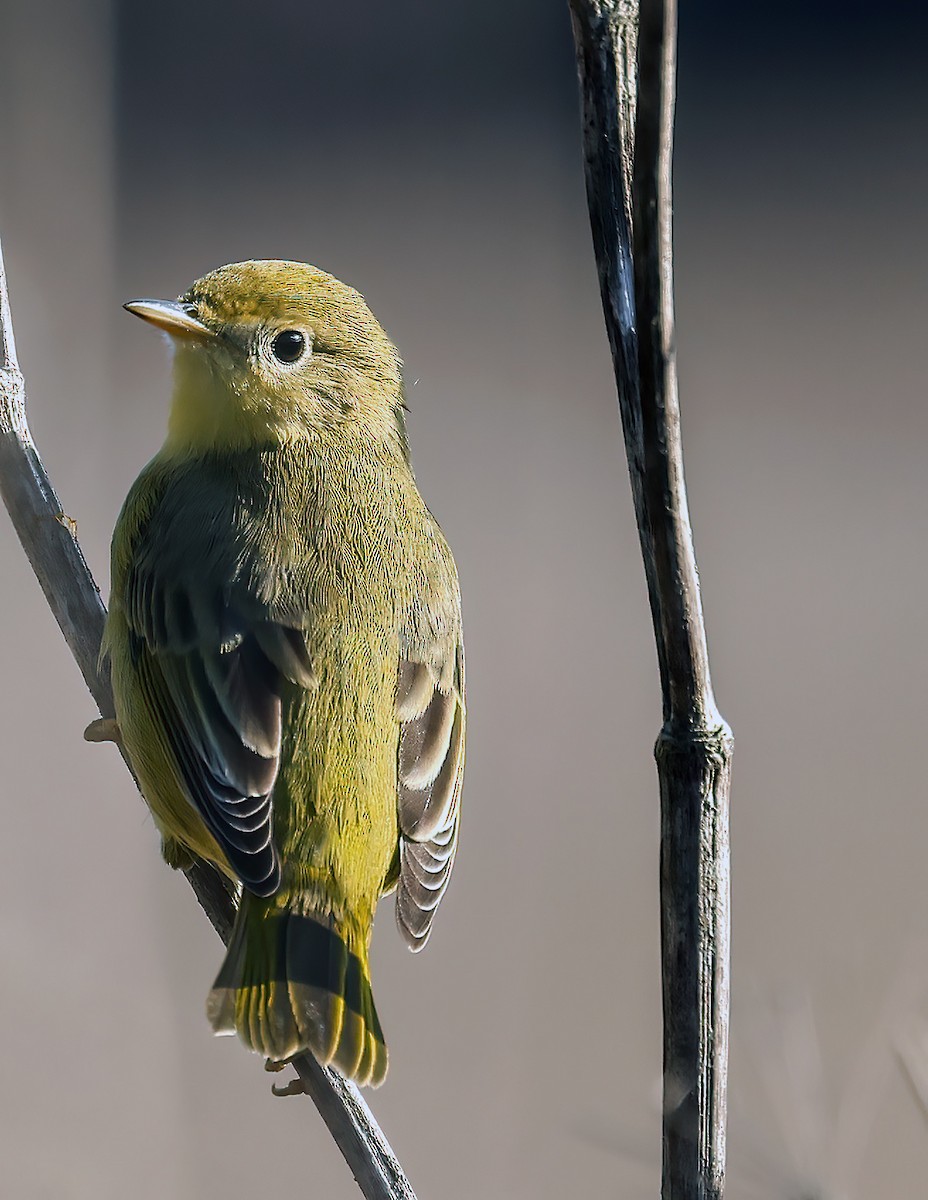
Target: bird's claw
x,y
293,1087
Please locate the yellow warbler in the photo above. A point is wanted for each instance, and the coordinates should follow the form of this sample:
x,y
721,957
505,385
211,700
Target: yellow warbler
x,y
284,635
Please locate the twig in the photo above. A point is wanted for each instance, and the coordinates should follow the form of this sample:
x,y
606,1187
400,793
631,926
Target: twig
x,y
47,536
627,134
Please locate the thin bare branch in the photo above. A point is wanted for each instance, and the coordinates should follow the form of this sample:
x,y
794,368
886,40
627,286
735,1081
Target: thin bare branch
x,y
48,538
629,196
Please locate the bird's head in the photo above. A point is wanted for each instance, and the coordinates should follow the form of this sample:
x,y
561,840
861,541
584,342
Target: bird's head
x,y
270,351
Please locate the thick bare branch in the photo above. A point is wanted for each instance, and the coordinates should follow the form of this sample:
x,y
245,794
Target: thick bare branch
x,y
629,196
48,538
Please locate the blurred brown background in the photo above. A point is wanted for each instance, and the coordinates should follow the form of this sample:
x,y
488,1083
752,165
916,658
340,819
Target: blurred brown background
x,y
430,156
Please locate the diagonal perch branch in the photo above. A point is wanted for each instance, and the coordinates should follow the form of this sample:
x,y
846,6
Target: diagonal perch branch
x,y
626,65
48,539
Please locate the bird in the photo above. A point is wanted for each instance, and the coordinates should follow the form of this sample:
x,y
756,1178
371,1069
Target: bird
x,y
285,647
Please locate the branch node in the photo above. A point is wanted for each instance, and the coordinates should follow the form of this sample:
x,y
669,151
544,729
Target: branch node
x,y
68,522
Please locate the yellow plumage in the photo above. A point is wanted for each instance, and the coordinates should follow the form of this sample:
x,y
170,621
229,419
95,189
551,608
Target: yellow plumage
x,y
285,640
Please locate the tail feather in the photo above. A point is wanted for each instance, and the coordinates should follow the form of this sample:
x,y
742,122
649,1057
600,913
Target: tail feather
x,y
290,983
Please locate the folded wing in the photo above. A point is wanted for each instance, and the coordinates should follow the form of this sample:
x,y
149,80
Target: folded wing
x,y
430,708
213,672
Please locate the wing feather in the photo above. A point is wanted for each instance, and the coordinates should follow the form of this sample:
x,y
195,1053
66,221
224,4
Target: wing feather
x,y
228,783
214,679
217,638
430,708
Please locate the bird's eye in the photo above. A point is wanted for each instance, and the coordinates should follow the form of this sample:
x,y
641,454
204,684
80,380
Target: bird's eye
x,y
288,346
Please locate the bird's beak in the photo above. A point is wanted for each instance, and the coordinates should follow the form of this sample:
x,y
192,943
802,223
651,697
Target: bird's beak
x,y
169,316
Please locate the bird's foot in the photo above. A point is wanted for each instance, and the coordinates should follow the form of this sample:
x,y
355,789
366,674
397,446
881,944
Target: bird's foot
x,y
293,1087
106,729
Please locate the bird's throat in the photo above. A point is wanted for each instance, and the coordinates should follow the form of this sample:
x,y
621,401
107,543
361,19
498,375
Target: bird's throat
x,y
213,410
